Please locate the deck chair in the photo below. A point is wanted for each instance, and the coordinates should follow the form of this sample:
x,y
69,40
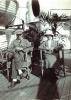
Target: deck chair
x,y
4,65
60,57
59,49
62,61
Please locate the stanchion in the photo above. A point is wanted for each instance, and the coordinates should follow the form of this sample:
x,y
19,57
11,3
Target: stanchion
x,y
27,66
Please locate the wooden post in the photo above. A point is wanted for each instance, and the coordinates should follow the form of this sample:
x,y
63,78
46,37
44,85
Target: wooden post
x,y
42,69
63,61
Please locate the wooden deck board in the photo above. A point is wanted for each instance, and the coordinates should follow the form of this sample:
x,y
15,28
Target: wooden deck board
x,y
66,89
37,88
60,85
70,90
24,89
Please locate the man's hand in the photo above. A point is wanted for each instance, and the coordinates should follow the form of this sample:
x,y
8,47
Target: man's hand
x,y
28,49
18,48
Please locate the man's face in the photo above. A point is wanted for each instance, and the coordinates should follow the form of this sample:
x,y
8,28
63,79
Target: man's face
x,y
19,36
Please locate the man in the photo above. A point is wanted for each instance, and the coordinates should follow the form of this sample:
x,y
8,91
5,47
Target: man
x,y
18,47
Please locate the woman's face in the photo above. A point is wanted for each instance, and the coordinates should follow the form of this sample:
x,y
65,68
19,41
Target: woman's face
x,y
49,37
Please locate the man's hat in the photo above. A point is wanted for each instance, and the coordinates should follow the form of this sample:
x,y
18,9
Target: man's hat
x,y
18,32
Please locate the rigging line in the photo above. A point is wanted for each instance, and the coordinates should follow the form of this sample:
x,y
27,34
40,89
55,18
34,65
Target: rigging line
x,y
13,20
20,19
5,11
14,31
10,22
68,24
60,28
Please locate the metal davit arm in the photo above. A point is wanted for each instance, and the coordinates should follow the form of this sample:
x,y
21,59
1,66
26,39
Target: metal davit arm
x,y
41,62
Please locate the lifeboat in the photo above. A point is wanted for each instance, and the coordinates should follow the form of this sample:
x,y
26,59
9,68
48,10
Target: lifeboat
x,y
8,10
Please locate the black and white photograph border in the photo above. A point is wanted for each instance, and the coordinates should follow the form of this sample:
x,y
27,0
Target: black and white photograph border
x,y
35,50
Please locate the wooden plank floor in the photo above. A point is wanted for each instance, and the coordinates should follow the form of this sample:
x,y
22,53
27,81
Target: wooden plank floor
x,y
36,88
50,87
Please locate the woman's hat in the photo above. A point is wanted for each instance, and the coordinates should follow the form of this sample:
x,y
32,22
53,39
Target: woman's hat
x,y
48,33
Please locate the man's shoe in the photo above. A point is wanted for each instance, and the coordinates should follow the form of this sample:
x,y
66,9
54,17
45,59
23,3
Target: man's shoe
x,y
17,82
21,76
13,84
